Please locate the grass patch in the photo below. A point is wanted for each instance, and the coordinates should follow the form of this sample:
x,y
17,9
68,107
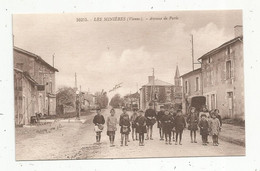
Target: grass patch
x,y
235,121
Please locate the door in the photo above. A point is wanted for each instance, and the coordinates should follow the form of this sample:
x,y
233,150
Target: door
x,y
230,104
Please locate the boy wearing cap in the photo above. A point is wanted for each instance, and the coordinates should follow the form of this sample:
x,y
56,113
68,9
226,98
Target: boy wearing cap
x,y
204,129
167,121
150,116
159,121
99,121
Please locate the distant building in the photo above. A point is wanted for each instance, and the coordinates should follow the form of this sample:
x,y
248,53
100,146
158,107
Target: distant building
x,y
132,100
44,76
161,92
221,78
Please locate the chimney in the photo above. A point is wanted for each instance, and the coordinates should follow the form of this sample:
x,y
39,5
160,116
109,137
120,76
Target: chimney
x,y
238,30
150,79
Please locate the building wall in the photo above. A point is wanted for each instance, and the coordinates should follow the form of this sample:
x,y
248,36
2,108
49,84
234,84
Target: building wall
x,y
25,99
46,100
218,87
145,95
189,88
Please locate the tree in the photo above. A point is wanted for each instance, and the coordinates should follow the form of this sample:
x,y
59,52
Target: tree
x,y
102,99
66,96
116,101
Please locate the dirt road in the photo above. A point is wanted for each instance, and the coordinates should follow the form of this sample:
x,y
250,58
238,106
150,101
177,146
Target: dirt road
x,y
76,141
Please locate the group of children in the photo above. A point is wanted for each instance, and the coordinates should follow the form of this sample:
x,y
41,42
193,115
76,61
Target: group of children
x,y
170,123
209,123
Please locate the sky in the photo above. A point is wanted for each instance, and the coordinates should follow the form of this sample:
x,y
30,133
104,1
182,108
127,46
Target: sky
x,y
105,53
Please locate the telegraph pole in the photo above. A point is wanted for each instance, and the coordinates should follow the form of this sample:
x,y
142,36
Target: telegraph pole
x,y
76,81
53,59
192,53
153,91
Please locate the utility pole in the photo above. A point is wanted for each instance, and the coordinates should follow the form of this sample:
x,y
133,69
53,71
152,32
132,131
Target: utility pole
x,y
76,81
192,52
53,59
153,91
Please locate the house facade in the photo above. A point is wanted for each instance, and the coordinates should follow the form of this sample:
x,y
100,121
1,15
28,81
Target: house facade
x,y
222,77
191,87
160,92
43,74
25,97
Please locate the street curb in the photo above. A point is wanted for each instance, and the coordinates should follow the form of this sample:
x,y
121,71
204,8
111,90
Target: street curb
x,y
231,140
62,121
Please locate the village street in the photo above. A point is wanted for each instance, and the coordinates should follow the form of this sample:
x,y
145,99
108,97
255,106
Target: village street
x,y
77,141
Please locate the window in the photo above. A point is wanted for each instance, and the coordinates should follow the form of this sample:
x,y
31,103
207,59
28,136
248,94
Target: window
x,y
186,86
213,101
209,60
197,84
211,77
228,69
50,87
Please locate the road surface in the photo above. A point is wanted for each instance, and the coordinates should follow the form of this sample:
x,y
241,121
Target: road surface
x,y
77,141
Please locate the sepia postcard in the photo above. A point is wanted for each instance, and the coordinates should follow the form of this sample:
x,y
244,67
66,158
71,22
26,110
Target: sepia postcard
x,y
128,85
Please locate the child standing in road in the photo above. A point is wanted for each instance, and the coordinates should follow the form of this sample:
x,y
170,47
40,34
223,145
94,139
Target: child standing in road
x,y
140,122
150,116
124,122
204,129
180,124
99,121
159,122
173,113
132,120
214,129
111,127
167,122
192,121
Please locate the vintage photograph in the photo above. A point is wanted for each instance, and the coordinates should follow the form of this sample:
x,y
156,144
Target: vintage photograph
x,y
128,85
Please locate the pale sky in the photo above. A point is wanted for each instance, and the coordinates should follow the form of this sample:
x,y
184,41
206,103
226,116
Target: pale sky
x,y
106,53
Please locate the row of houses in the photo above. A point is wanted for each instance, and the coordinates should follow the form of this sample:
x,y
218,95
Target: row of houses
x,y
220,78
34,86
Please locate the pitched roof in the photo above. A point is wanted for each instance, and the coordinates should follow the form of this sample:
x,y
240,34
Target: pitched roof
x,y
221,46
36,57
192,72
27,76
158,83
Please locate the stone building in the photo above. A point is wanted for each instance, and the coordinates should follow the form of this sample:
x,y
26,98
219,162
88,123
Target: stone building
x,y
191,87
44,76
161,92
25,97
221,77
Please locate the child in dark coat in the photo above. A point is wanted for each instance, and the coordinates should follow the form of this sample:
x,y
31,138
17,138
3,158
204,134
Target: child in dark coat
x,y
204,129
180,124
160,115
124,122
140,122
192,121
167,123
99,121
